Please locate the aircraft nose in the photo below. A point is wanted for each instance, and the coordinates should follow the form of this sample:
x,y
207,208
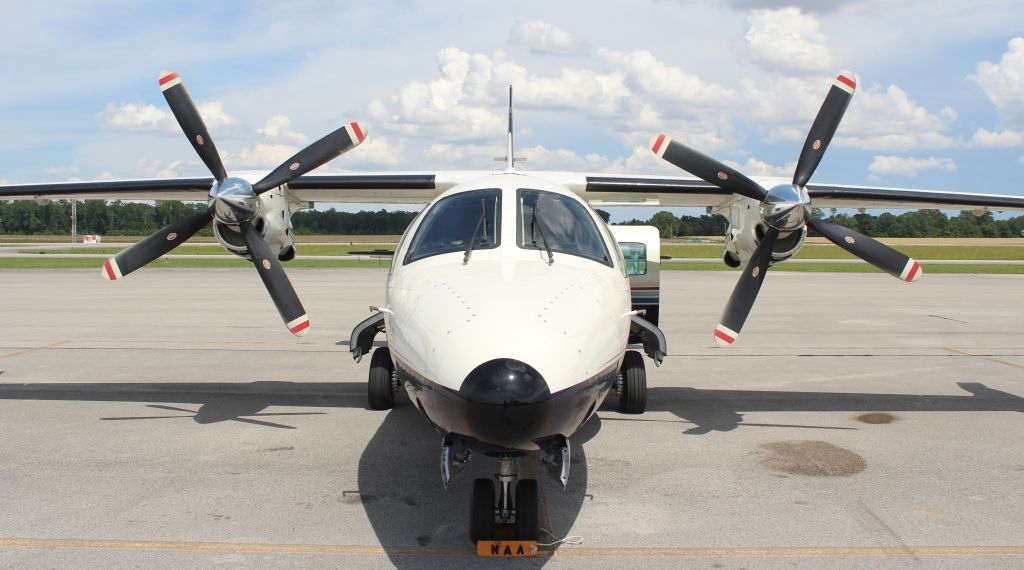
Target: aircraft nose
x,y
504,382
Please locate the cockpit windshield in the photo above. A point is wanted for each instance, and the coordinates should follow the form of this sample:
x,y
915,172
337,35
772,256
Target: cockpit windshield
x,y
453,222
550,221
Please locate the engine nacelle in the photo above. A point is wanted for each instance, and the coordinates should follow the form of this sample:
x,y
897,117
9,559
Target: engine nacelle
x,y
274,222
746,229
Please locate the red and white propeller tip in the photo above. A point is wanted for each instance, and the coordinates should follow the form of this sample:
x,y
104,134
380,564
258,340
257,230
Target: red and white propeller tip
x,y
299,326
168,79
356,132
659,145
846,81
912,271
111,272
724,336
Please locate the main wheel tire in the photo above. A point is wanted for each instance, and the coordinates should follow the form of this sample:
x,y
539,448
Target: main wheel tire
x,y
527,510
634,384
380,387
481,511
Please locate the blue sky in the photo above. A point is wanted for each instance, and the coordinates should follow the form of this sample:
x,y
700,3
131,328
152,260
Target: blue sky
x,y
940,103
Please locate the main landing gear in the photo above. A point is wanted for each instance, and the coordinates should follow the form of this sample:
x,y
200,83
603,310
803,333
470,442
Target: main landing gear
x,y
383,380
522,509
631,385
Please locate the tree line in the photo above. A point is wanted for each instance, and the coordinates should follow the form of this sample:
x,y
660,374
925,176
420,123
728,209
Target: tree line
x,y
921,223
26,217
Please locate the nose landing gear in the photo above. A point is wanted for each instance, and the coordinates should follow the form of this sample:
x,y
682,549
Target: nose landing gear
x,y
519,514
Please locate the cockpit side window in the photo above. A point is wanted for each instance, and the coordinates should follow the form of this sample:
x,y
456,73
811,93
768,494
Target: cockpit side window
x,y
454,221
562,221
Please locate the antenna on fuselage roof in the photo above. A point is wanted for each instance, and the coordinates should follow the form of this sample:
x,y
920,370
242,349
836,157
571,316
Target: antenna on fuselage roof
x,y
510,159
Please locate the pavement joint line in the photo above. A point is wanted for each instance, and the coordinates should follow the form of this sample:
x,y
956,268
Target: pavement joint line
x,y
34,349
588,552
989,358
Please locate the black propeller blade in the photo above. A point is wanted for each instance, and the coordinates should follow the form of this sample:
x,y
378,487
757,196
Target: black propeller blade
x,y
154,246
824,126
745,292
707,168
874,252
313,156
191,122
234,202
277,283
785,208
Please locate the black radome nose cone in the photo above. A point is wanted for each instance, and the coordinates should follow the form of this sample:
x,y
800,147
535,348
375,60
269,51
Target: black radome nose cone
x,y
504,382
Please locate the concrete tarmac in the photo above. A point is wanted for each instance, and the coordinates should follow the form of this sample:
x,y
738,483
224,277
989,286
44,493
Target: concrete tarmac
x,y
169,420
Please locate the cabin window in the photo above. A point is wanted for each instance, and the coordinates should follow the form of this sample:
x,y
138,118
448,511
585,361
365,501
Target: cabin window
x,y
453,222
564,222
636,257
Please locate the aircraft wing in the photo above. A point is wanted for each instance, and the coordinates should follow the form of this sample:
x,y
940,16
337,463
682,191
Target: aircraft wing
x,y
598,189
153,189
355,187
625,190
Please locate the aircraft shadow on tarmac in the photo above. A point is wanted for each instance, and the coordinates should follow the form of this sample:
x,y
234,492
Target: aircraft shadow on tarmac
x,y
399,472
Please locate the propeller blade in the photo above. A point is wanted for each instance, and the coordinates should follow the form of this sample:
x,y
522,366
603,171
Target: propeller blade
x,y
154,246
191,122
313,156
743,296
276,281
824,126
707,168
874,252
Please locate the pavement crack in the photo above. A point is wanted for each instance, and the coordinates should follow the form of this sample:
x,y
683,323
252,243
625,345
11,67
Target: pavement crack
x,y
949,319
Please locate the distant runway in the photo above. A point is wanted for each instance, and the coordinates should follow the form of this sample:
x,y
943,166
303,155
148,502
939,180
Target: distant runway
x,y
169,420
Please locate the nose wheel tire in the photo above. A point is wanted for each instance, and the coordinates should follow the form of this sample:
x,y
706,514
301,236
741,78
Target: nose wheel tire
x,y
527,510
382,383
481,511
632,384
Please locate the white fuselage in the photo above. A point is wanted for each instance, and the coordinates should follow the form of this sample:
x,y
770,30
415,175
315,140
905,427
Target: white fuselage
x,y
568,320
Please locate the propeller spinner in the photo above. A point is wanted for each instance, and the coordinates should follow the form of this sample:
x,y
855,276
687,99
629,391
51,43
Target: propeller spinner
x,y
786,208
235,202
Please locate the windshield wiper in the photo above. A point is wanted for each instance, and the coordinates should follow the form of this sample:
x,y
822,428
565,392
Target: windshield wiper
x,y
481,223
538,227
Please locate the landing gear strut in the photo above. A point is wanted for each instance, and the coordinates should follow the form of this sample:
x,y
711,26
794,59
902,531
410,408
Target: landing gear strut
x,y
517,502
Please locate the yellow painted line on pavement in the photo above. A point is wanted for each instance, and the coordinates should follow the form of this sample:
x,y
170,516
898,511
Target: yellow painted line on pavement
x,y
28,350
988,358
343,549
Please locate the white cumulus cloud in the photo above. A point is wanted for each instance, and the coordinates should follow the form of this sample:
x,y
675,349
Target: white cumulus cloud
x,y
376,151
755,167
888,119
787,40
145,168
1003,83
144,117
278,129
909,166
983,138
545,38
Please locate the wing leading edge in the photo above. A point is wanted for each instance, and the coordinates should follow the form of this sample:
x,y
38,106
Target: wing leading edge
x,y
609,190
597,189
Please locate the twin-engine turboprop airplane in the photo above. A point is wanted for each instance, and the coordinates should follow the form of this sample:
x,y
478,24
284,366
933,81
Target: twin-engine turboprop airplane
x,y
511,309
